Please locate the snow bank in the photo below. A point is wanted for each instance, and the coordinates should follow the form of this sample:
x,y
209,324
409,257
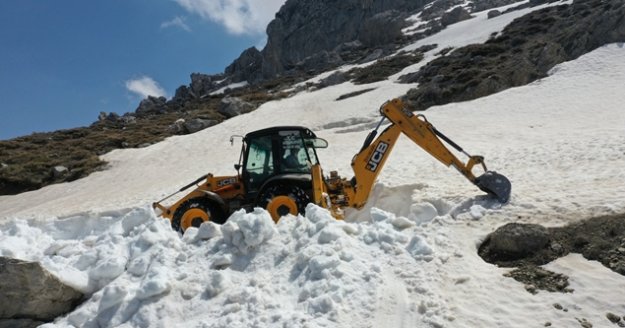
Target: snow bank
x,y
137,272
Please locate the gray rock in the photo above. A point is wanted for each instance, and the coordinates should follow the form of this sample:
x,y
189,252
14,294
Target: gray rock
x,y
127,119
247,67
488,4
381,29
197,124
320,61
334,79
376,54
493,13
183,93
456,15
438,8
178,126
233,106
613,317
110,117
20,323
59,171
152,105
203,84
517,240
28,291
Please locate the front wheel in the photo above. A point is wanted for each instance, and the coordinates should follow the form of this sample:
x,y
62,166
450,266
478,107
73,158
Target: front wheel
x,y
194,212
280,200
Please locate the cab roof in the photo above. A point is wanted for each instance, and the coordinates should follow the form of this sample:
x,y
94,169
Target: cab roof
x,y
306,132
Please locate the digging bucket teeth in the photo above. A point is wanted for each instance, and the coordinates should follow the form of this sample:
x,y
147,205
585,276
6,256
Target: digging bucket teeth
x,y
495,184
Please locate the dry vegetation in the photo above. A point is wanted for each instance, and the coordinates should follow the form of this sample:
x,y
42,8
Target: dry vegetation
x,y
382,69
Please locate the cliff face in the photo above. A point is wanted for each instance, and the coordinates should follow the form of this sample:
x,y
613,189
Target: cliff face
x,y
303,29
315,35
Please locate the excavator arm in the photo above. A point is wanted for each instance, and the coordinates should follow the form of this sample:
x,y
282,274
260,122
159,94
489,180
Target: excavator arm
x,y
368,163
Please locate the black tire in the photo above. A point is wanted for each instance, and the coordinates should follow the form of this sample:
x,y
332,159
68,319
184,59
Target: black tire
x,y
296,193
214,212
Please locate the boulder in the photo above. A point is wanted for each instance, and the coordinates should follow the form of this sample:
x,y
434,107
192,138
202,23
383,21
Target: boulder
x,y
28,291
20,323
197,124
178,126
233,106
517,240
493,13
59,171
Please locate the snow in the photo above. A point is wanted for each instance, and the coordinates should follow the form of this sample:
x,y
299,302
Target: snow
x,y
408,259
231,86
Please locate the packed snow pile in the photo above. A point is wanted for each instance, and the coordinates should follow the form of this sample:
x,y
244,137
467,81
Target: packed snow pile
x,y
311,270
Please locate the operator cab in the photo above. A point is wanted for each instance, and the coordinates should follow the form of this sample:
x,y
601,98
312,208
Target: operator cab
x,y
277,152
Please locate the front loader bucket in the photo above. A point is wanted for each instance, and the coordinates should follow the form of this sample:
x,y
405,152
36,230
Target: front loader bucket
x,y
495,184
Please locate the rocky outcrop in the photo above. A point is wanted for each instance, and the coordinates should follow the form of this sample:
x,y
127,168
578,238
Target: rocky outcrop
x,y
29,294
203,84
523,52
247,67
152,105
454,16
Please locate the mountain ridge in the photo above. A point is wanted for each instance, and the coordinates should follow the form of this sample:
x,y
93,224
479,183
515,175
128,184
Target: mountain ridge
x,y
31,162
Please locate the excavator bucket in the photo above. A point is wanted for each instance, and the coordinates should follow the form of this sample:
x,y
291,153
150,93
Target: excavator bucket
x,y
495,184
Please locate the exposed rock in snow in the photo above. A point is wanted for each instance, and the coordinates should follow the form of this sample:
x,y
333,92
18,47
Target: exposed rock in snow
x,y
29,291
516,240
233,106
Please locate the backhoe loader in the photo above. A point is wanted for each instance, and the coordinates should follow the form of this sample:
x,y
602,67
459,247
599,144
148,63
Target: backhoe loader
x,y
279,171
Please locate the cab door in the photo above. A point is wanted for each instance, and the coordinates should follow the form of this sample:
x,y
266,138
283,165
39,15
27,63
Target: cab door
x,y
259,163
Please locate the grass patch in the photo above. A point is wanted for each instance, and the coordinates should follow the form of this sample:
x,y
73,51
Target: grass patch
x,y
382,69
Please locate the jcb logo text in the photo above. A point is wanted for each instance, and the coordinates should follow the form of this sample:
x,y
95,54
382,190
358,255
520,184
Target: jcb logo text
x,y
376,158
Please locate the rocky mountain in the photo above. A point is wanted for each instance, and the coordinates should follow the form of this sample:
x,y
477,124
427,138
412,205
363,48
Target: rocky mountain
x,y
310,37
313,36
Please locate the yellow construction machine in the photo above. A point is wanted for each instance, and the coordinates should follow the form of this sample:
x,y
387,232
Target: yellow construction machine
x,y
279,171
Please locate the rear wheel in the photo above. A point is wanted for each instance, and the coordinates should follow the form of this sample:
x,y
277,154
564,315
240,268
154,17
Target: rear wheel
x,y
280,200
194,212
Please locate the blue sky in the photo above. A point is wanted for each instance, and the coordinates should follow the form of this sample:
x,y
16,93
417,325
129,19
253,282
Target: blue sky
x,y
63,62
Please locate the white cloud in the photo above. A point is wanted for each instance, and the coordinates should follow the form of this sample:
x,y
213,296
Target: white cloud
x,y
145,86
238,16
176,22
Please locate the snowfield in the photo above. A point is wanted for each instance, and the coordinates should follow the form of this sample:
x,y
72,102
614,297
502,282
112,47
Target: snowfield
x,y
408,259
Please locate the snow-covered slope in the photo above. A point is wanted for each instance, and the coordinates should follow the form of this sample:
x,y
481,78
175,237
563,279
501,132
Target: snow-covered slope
x,y
409,259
